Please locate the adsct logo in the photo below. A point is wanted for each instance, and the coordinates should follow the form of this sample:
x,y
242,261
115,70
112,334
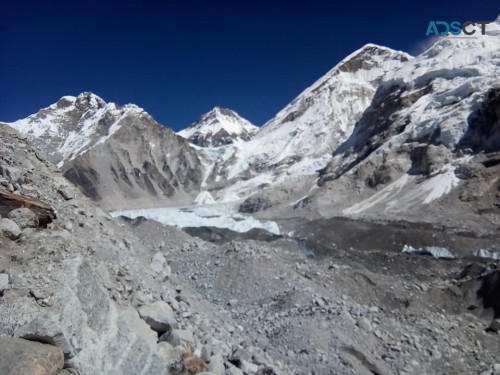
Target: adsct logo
x,y
468,28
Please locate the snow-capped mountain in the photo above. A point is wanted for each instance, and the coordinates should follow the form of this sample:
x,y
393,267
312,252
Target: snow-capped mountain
x,y
298,141
301,138
430,135
73,125
219,127
119,156
323,115
388,133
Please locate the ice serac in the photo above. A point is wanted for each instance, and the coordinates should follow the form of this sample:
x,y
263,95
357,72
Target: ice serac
x,y
119,156
431,128
219,127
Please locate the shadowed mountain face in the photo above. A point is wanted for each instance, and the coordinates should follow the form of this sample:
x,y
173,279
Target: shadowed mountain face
x,y
143,164
483,133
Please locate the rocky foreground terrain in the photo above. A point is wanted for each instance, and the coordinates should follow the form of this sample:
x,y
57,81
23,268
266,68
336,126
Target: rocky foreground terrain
x,y
82,293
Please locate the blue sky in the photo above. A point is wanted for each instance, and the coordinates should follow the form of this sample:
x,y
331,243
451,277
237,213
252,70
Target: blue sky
x,y
178,59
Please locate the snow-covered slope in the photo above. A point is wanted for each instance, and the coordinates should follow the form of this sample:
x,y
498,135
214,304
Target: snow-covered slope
x,y
429,100
71,126
300,139
431,134
219,127
324,114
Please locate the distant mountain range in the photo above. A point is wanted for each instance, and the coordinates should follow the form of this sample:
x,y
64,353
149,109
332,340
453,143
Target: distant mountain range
x,y
382,134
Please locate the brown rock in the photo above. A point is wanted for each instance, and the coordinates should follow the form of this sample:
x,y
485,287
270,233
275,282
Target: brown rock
x,y
22,357
8,202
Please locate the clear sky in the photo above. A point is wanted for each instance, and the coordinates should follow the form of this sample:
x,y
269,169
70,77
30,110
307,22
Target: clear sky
x,y
178,59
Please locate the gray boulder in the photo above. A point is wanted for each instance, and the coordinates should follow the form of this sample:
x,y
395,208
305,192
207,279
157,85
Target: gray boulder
x,y
47,328
4,282
10,229
66,193
157,262
159,316
494,325
24,217
97,335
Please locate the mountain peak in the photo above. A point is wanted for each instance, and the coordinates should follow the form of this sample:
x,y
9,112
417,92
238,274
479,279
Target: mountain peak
x,y
88,99
218,127
85,100
370,56
74,124
221,111
323,115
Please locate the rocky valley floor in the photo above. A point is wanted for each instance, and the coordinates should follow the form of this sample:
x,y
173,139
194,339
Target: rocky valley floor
x,y
363,312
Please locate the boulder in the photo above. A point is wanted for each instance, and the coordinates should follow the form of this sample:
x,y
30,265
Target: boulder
x,y
47,328
159,316
4,282
66,193
96,335
364,324
249,368
9,229
23,357
233,370
185,335
12,174
8,202
24,218
494,325
157,262
216,365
